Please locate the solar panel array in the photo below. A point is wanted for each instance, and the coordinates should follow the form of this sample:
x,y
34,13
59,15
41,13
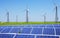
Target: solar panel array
x,y
31,31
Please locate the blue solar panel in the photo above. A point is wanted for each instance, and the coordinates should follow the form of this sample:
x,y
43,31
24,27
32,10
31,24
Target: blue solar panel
x,y
41,25
47,37
6,36
58,31
57,26
48,31
38,25
49,25
15,30
24,36
1,28
26,30
6,30
37,31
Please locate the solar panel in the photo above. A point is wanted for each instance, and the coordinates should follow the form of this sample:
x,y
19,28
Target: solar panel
x,y
48,31
47,37
38,25
6,30
37,31
49,26
58,31
1,28
15,30
24,36
42,25
6,36
56,26
26,30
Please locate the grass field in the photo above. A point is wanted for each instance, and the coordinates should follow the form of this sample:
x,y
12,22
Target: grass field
x,y
19,23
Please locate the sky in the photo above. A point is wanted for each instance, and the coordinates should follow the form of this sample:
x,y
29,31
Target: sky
x,y
37,10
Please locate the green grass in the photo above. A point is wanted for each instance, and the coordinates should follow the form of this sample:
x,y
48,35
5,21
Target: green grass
x,y
23,23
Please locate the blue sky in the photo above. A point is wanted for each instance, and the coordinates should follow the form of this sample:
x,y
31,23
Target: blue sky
x,y
37,8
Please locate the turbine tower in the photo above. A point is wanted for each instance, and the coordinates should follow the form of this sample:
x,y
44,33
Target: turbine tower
x,y
44,17
56,14
27,15
7,16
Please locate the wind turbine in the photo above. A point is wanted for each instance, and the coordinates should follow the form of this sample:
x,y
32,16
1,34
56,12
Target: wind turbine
x,y
56,11
27,11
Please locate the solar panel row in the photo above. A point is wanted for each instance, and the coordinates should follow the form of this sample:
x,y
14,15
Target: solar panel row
x,y
25,36
47,37
30,29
